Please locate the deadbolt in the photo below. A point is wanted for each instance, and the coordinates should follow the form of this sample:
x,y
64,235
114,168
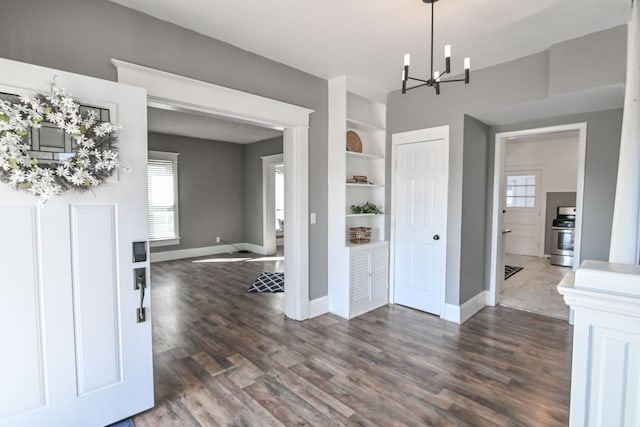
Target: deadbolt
x,y
436,237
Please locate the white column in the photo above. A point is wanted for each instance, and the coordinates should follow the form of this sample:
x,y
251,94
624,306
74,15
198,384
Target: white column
x,y
625,231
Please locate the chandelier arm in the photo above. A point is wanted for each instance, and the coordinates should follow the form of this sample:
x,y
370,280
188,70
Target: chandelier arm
x,y
419,80
451,80
417,86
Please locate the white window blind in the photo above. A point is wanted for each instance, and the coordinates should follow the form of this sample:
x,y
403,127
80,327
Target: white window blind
x,y
162,176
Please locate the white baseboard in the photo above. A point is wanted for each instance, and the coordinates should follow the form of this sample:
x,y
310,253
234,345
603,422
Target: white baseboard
x,y
461,313
451,313
252,248
318,307
204,251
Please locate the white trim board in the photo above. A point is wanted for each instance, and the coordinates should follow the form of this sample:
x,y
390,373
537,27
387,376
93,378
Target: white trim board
x,y
178,93
496,276
318,307
205,251
461,313
269,163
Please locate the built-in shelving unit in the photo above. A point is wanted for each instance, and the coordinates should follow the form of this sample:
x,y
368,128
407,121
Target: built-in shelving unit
x,y
361,108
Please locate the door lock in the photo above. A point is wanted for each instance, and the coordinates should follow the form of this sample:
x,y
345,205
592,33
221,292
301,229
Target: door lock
x,y
436,237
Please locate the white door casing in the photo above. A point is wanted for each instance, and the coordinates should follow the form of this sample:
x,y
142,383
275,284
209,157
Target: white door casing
x,y
73,352
419,218
269,202
524,222
179,93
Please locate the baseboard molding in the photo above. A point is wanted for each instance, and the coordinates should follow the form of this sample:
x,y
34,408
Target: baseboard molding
x,y
205,251
318,307
461,313
252,248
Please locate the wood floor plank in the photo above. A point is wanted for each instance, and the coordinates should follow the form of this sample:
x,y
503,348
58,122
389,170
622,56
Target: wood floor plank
x,y
227,357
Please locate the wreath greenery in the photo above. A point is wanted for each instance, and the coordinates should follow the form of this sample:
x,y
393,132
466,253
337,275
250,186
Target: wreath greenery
x,y
94,155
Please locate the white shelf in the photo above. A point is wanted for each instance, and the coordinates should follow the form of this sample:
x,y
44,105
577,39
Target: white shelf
x,y
369,245
363,126
366,156
350,184
361,215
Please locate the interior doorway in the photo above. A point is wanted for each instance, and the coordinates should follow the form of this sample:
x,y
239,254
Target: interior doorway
x,y
537,274
178,92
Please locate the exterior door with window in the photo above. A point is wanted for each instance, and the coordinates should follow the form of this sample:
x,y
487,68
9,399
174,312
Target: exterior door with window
x,y
522,212
73,352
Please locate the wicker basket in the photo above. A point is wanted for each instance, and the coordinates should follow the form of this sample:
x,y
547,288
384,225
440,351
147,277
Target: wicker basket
x,y
360,234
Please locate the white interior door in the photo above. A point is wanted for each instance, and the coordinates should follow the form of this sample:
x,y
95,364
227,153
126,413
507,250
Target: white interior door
x,y
72,351
522,212
420,191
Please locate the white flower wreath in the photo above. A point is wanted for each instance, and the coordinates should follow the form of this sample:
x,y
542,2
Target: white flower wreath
x,y
94,157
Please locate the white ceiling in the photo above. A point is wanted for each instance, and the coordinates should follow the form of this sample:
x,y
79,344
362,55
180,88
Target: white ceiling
x,y
206,127
366,39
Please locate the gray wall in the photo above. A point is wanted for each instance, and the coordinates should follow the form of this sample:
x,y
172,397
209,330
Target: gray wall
x,y
253,186
474,206
600,175
82,36
555,199
210,189
517,84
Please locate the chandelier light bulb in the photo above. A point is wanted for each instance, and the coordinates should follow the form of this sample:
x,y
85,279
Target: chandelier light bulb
x,y
407,59
447,51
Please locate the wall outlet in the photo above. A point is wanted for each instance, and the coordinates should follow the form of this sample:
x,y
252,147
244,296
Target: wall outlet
x,y
218,239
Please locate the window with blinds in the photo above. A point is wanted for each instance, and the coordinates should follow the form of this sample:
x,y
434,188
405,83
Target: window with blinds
x,y
162,177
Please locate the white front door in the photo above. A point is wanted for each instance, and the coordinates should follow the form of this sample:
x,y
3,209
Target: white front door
x,y
73,353
522,212
420,193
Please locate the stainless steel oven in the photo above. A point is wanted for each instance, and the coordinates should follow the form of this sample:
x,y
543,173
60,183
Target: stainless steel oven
x,y
563,236
562,239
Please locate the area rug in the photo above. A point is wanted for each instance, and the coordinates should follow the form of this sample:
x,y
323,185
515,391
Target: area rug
x,y
510,270
268,282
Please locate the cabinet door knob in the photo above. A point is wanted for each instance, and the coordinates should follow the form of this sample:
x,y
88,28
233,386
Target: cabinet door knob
x,y
436,237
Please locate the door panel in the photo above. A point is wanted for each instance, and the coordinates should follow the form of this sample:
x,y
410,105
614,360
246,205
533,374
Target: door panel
x,y
420,211
523,220
76,354
20,296
95,290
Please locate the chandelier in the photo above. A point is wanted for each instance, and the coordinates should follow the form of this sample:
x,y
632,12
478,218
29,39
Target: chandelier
x,y
435,77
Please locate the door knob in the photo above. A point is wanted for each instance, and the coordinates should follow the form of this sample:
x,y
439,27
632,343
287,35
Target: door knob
x,y
436,237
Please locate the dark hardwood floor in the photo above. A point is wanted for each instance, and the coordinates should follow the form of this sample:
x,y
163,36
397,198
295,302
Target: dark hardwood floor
x,y
230,358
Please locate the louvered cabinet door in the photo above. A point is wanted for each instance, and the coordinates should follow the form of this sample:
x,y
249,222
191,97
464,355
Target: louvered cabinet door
x,y
369,283
360,292
379,276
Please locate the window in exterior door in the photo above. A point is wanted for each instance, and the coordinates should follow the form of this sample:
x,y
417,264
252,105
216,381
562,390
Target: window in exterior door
x,y
521,191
